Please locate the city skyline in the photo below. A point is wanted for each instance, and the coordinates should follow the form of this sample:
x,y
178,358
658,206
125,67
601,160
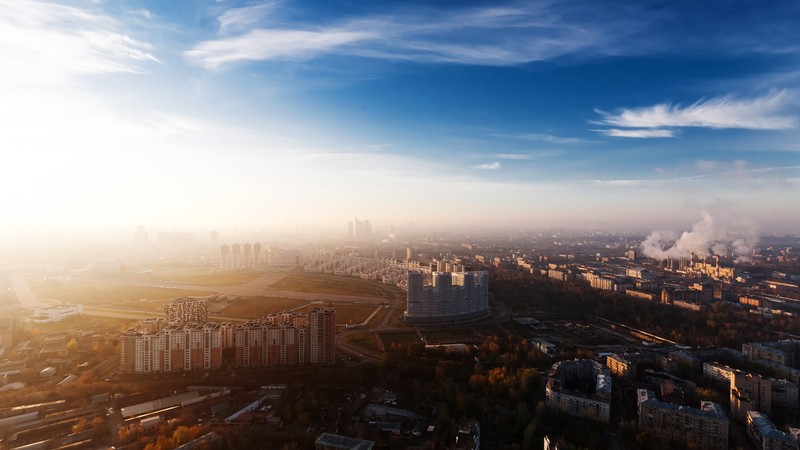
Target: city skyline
x,y
282,115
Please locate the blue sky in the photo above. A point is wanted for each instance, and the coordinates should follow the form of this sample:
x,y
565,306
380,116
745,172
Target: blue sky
x,y
288,114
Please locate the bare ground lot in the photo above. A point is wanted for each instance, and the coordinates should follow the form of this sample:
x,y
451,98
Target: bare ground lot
x,y
347,312
99,293
256,307
96,324
319,283
206,276
435,336
401,338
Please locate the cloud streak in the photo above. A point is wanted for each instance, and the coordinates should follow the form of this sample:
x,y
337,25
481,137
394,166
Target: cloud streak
x,y
637,133
495,36
238,19
713,169
768,112
489,166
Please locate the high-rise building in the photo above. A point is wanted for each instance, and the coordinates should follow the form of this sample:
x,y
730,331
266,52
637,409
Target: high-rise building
x,y
322,335
224,258
174,348
248,256
451,296
286,339
236,251
257,254
213,239
140,238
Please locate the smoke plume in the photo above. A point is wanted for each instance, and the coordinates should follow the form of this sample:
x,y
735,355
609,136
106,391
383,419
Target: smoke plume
x,y
719,232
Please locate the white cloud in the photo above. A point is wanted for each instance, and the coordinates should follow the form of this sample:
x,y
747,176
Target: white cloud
x,y
637,133
768,112
489,166
48,43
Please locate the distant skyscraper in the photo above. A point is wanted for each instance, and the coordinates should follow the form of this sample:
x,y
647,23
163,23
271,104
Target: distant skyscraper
x,y
248,256
350,230
140,238
224,258
359,228
367,229
236,250
213,239
257,254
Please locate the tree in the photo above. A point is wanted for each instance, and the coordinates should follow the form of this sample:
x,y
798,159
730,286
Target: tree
x,y
181,435
72,345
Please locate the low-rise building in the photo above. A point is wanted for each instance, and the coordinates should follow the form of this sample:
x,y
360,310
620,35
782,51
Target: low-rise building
x,y
329,441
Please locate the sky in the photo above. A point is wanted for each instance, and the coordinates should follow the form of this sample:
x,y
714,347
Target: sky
x,y
305,114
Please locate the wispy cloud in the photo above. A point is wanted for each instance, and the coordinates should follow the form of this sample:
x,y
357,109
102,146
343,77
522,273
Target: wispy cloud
x,y
542,137
44,42
238,19
704,165
495,36
637,133
506,35
513,156
772,111
259,45
704,170
489,166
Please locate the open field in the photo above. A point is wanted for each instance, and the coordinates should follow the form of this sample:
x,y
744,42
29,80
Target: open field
x,y
96,324
435,336
90,292
203,276
365,339
347,312
319,283
402,338
255,307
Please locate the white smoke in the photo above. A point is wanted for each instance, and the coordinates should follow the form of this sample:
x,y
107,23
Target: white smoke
x,y
719,232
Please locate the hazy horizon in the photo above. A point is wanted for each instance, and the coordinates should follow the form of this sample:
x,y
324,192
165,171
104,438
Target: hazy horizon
x,y
298,117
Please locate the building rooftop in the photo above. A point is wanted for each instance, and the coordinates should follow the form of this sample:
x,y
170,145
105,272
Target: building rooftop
x,y
344,442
